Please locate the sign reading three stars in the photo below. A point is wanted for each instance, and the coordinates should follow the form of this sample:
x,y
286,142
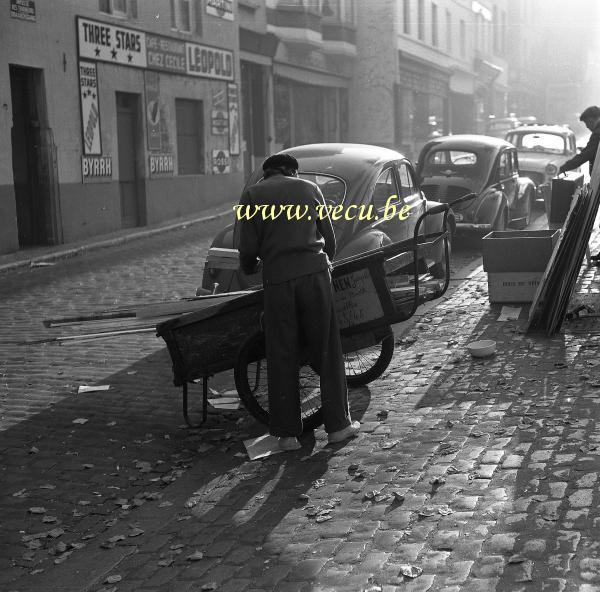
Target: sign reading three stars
x,y
110,43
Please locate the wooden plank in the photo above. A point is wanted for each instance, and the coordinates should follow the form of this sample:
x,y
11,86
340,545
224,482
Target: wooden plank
x,y
560,277
184,306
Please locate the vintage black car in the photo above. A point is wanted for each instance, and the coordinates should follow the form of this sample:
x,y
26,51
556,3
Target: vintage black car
x,y
361,181
542,149
453,166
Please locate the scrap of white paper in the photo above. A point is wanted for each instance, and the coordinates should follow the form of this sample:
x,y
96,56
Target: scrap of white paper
x,y
509,313
225,403
84,388
262,446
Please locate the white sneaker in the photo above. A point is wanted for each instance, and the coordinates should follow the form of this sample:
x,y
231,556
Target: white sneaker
x,y
341,435
289,444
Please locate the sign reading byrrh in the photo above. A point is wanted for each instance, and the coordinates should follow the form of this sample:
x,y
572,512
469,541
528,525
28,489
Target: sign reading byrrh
x,y
96,169
161,165
105,42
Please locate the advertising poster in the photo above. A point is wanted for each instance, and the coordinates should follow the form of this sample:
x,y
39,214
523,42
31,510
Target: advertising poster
x,y
152,110
110,43
234,118
90,112
219,113
221,8
221,162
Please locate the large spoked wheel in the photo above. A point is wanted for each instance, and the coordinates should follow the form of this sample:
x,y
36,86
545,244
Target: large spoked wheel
x,y
367,364
250,374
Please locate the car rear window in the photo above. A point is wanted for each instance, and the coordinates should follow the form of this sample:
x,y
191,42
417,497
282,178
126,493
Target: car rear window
x,y
445,162
539,142
332,188
454,158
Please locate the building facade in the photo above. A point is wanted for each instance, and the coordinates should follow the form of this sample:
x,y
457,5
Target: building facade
x,y
428,68
122,113
116,114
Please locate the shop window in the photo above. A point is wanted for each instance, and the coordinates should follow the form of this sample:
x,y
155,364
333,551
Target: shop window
x,y
332,9
119,8
181,15
282,108
190,136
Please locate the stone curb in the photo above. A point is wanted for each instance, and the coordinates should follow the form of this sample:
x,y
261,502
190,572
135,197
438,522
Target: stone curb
x,y
111,242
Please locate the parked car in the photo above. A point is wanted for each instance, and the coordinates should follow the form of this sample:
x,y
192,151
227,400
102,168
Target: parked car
x,y
542,149
351,176
453,166
498,126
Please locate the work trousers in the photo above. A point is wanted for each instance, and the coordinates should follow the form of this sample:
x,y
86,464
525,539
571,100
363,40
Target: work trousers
x,y
299,317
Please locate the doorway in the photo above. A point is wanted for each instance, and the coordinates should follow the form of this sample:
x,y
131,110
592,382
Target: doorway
x,y
35,173
129,143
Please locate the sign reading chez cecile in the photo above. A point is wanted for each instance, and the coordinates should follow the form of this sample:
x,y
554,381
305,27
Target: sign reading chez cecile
x,y
106,42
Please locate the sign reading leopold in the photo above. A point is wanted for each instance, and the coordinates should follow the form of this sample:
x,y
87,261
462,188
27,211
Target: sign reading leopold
x,y
90,113
209,62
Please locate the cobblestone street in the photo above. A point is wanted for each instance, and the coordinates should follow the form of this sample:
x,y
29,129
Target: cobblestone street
x,y
468,475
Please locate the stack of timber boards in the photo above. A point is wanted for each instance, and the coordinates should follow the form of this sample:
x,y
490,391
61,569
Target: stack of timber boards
x,y
131,319
551,300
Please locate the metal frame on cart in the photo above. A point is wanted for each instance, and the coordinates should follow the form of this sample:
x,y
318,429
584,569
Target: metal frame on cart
x,y
204,343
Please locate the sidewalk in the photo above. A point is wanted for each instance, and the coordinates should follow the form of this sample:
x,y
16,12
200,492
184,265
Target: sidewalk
x,y
468,476
41,255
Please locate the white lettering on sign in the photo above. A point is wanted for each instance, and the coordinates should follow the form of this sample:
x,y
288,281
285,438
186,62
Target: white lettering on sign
x,y
221,162
90,113
356,299
209,62
109,43
161,163
96,168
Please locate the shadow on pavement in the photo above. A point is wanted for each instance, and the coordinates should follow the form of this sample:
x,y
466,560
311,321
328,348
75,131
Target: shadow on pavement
x,y
96,461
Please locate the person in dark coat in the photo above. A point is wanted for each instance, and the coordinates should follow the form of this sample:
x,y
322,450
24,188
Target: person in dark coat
x,y
296,257
591,119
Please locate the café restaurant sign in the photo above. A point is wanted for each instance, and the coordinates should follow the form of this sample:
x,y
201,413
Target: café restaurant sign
x,y
110,43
